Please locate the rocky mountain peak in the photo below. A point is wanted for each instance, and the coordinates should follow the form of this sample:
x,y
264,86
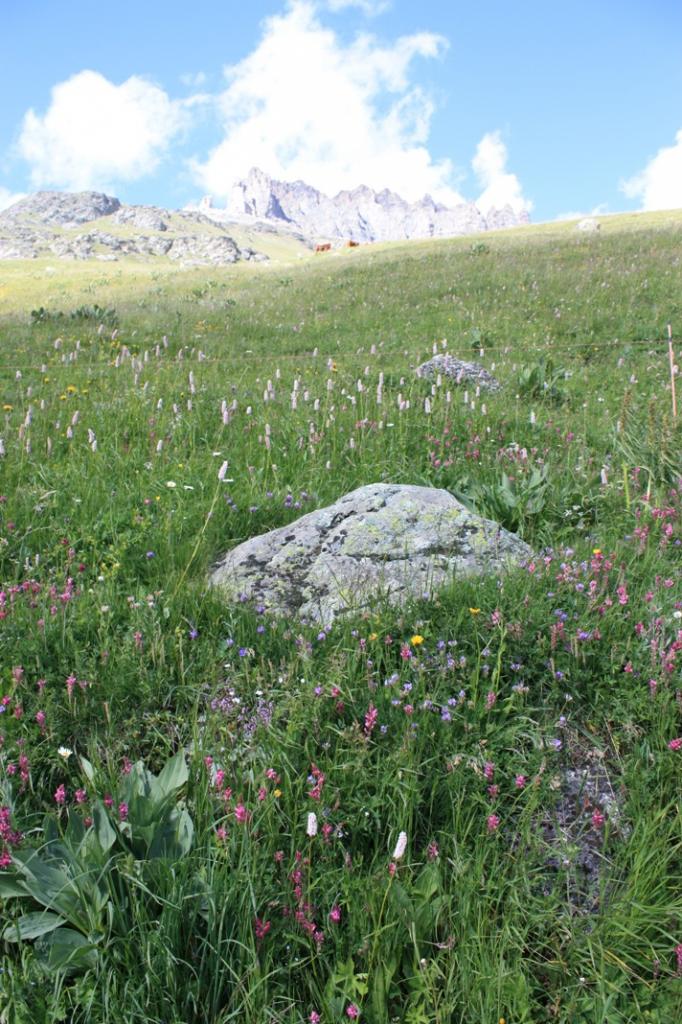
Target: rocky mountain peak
x,y
359,213
63,209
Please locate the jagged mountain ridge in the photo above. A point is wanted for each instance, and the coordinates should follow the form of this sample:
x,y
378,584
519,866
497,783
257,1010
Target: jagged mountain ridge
x,y
360,213
92,225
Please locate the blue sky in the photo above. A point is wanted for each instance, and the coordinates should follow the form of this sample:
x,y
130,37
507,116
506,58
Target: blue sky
x,y
556,108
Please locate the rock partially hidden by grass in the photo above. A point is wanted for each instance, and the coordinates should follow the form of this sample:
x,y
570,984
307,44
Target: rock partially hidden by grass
x,y
391,540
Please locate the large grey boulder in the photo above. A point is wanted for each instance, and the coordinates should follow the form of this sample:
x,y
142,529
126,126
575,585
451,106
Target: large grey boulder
x,y
382,540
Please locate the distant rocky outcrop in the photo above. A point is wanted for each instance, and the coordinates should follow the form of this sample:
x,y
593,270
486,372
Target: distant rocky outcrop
x,y
92,225
361,213
386,541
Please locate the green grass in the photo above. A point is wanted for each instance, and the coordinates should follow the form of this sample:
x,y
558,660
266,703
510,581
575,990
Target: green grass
x,y
112,441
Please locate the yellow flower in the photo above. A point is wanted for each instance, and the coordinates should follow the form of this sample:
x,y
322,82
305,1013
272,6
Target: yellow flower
x,y
277,793
373,636
72,389
7,408
475,611
596,551
416,640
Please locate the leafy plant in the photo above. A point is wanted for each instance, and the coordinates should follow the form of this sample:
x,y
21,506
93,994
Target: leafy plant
x,y
71,889
542,381
514,503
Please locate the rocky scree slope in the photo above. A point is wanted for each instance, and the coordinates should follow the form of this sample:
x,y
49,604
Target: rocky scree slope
x,y
360,214
92,225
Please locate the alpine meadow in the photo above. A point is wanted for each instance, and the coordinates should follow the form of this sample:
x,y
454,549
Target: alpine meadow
x,y
459,810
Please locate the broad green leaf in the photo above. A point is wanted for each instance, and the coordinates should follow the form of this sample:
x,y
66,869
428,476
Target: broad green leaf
x,y
105,832
172,777
68,949
30,926
11,886
88,770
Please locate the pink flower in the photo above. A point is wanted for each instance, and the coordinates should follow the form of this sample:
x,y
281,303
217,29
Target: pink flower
x,y
675,744
335,914
261,928
81,796
520,781
598,819
352,1011
314,1017
60,795
490,700
493,823
221,834
241,814
489,770
123,812
370,720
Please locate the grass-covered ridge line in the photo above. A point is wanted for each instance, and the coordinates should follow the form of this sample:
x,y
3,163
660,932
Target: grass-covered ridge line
x,y
520,894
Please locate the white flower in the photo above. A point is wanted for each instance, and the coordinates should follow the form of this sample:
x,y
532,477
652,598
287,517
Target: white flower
x,y
65,753
400,846
311,828
222,471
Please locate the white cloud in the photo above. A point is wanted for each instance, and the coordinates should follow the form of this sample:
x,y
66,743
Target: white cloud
x,y
305,105
659,185
500,188
95,132
7,197
369,7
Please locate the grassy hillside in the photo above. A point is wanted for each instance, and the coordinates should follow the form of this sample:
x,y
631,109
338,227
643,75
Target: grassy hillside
x,y
524,734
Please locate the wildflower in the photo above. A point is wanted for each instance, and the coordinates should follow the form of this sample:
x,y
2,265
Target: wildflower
x,y
520,781
352,1011
123,812
370,719
490,700
241,814
432,851
311,827
60,794
400,846
675,744
489,770
598,819
314,1017
171,484
416,640
221,834
475,611
65,752
81,796
335,914
261,928
493,823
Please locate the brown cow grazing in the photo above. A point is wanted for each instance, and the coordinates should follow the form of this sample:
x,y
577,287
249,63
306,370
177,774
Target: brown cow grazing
x,y
323,247
351,244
